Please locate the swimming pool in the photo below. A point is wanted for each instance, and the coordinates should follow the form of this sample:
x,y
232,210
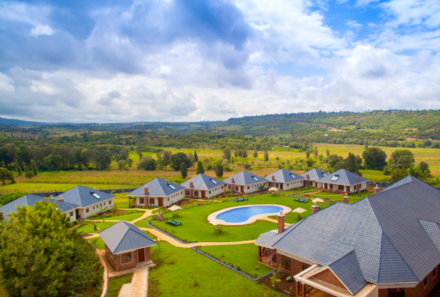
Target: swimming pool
x,y
245,214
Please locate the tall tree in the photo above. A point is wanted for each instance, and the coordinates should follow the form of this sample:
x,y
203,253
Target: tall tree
x,y
178,159
183,170
402,159
219,170
227,154
196,158
166,156
200,168
255,155
374,158
34,167
266,156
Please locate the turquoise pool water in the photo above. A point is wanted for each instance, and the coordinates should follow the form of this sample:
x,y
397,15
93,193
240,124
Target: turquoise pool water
x,y
242,214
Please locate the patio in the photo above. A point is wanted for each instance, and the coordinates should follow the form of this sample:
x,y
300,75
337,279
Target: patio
x,y
268,257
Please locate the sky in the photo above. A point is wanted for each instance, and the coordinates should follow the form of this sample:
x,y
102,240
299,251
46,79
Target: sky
x,y
204,60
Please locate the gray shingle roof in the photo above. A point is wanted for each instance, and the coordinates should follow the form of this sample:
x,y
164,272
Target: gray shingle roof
x,y
83,196
314,174
203,182
344,177
29,200
245,178
123,237
158,187
394,233
347,269
284,176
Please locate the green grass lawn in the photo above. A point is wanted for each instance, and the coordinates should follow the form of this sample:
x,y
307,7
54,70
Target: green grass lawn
x,y
98,242
143,223
207,278
244,256
115,284
133,215
195,226
89,227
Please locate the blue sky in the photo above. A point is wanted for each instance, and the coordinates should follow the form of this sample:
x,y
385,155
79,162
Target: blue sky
x,y
175,60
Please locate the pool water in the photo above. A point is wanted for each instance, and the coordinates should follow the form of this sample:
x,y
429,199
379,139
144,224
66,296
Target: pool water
x,y
242,214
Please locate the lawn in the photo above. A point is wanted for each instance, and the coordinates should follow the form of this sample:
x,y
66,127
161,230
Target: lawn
x,y
115,284
195,226
98,242
207,278
143,223
243,256
133,215
90,229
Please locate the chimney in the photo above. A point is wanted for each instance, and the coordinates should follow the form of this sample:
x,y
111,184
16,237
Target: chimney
x,y
280,222
315,208
233,180
308,176
346,198
358,178
61,199
273,177
146,190
191,184
376,189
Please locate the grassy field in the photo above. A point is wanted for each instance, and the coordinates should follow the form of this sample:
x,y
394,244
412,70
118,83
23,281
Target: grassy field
x,y
90,229
115,284
195,226
207,278
132,215
243,256
98,242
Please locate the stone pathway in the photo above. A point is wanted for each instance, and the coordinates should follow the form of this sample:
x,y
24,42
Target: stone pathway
x,y
138,285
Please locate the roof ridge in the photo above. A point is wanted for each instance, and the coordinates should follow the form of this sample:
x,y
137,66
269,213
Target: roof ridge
x,y
122,238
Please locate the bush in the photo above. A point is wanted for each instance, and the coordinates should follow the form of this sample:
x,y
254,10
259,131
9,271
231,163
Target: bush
x,y
147,163
29,174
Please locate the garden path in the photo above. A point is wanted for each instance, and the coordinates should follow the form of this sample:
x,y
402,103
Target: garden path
x,y
138,285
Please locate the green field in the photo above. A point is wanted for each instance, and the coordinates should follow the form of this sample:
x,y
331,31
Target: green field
x,y
243,257
115,284
184,272
195,226
89,228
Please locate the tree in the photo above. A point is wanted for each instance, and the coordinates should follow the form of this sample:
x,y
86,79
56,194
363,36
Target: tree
x,y
307,154
266,156
57,261
183,170
374,158
166,156
102,158
200,168
34,167
5,175
53,162
121,164
17,167
255,155
29,174
327,152
333,159
402,159
397,175
196,158
310,162
178,159
227,154
147,163
219,170
129,162
23,155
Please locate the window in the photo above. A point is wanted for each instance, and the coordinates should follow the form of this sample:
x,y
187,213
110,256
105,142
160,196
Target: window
x,y
336,177
215,182
248,188
209,192
434,273
171,186
292,176
287,263
87,210
126,258
256,179
110,202
396,292
71,214
168,199
425,282
96,195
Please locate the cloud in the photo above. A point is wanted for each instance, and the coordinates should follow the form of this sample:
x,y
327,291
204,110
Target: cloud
x,y
41,30
352,23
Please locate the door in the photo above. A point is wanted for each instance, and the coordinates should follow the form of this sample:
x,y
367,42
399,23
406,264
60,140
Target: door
x,y
141,255
141,200
281,186
203,194
160,202
242,189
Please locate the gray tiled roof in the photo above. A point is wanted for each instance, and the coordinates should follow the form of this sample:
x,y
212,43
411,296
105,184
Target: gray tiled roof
x,y
245,178
29,200
314,174
158,187
394,233
284,176
203,182
347,269
345,178
123,236
82,196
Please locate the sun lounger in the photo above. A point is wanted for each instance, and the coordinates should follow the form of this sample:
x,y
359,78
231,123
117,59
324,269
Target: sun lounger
x,y
174,223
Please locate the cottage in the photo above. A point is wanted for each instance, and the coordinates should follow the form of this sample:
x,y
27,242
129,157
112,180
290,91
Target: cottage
x,y
342,181
312,176
385,245
126,246
158,192
246,182
30,200
87,201
203,186
285,180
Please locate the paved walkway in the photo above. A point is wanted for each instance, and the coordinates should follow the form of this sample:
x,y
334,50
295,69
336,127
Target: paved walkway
x,y
138,285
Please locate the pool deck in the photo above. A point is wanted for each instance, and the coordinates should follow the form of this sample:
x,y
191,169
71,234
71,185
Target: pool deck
x,y
212,218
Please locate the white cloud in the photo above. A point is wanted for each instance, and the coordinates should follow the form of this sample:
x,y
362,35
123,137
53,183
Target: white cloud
x,y
41,30
352,23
